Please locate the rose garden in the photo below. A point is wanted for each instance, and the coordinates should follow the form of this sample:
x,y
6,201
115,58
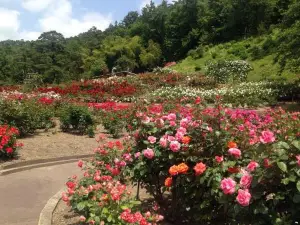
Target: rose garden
x,y
200,151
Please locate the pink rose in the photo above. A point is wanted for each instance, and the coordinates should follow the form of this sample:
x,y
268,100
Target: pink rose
x,y
137,155
175,146
172,123
148,153
163,142
246,181
146,120
171,138
298,159
82,219
181,130
152,139
267,137
171,117
80,163
243,197
235,152
184,122
219,159
252,166
179,135
228,186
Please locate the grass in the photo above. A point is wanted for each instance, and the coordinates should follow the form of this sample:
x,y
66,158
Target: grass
x,y
263,68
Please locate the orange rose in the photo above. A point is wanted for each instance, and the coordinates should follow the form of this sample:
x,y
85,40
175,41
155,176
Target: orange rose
x,y
173,170
182,168
168,182
199,168
186,140
232,144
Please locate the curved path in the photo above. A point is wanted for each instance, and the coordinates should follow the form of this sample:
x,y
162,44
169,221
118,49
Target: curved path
x,y
23,195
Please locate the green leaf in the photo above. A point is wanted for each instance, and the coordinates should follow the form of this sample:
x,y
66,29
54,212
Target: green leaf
x,y
282,166
296,144
109,219
298,185
123,207
284,145
104,210
296,198
80,206
171,156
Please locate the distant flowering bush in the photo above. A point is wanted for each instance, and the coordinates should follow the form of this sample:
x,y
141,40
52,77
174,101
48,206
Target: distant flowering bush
x,y
8,141
248,93
218,165
224,70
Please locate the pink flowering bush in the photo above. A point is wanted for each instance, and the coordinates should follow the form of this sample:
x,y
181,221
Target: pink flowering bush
x,y
8,142
219,165
102,195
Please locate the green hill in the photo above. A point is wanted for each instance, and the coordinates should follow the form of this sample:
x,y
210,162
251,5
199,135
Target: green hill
x,y
259,51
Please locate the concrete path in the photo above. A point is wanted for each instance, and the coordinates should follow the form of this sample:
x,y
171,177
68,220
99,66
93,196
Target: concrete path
x,y
23,195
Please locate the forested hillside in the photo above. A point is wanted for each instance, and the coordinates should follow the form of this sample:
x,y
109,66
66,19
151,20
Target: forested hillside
x,y
164,33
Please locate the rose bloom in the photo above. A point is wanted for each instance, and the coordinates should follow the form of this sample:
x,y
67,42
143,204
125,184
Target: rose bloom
x,y
175,146
267,163
173,170
298,159
168,182
182,168
219,159
228,186
252,166
80,163
243,197
148,153
186,140
233,169
235,152
246,181
152,139
231,144
267,137
163,142
199,168
171,117
9,150
82,219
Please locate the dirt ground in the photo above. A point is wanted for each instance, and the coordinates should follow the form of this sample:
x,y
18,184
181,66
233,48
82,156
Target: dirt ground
x,y
53,144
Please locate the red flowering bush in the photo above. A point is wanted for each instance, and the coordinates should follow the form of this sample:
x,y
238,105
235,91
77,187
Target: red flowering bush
x,y
8,142
219,165
102,196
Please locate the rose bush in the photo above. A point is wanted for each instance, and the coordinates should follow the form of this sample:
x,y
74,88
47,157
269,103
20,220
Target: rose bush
x,y
102,196
8,142
219,165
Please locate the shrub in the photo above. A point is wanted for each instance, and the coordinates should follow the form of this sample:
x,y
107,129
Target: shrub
x,y
8,142
220,166
239,51
101,196
27,116
76,118
197,53
222,71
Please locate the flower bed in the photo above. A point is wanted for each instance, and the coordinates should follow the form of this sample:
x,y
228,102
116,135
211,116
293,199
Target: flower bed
x,y
202,165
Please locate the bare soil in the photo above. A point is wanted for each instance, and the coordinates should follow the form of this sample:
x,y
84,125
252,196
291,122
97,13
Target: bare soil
x,y
53,144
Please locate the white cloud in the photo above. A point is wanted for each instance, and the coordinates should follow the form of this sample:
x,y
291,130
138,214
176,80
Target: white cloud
x,y
58,16
36,5
9,23
29,35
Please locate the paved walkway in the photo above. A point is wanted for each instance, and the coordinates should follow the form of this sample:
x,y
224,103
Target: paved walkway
x,y
23,195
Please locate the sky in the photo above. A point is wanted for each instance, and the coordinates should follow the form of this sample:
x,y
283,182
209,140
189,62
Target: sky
x,y
27,19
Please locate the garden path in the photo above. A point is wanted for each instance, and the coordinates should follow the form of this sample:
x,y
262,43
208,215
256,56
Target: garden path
x,y
23,195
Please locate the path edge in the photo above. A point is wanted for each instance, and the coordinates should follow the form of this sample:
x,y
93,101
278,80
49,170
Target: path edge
x,y
47,212
32,164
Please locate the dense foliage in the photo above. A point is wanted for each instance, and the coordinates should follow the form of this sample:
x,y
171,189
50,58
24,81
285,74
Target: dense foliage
x,y
160,33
